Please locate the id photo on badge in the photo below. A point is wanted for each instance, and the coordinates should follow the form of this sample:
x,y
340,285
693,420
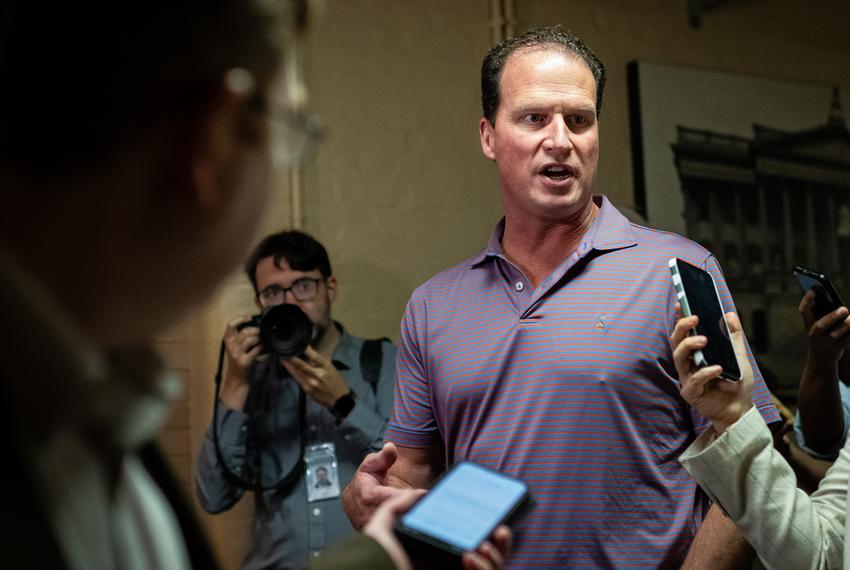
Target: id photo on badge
x,y
322,474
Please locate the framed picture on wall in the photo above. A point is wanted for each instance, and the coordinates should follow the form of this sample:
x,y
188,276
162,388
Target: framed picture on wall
x,y
757,171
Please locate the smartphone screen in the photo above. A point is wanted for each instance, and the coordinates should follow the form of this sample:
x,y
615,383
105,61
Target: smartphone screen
x,y
465,506
826,297
698,296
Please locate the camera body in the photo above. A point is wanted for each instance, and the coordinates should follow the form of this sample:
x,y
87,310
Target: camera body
x,y
285,330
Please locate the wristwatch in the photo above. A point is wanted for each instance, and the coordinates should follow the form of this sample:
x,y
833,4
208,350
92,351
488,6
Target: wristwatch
x,y
342,407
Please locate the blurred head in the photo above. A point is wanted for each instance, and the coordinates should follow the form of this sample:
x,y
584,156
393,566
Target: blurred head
x,y
90,77
548,38
144,128
292,267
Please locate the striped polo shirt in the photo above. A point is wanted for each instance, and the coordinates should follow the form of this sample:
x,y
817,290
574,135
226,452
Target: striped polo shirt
x,y
571,387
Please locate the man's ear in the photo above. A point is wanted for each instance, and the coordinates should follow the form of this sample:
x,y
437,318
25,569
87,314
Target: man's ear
x,y
330,283
487,135
217,136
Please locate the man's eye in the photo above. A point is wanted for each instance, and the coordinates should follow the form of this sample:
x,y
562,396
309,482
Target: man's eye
x,y
580,120
534,118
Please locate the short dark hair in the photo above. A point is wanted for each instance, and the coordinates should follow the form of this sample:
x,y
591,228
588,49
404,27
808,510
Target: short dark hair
x,y
82,79
300,250
536,38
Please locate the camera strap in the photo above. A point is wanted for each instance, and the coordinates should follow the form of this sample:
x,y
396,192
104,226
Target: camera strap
x,y
285,483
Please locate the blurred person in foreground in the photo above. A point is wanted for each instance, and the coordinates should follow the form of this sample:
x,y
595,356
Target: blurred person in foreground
x,y
134,165
736,464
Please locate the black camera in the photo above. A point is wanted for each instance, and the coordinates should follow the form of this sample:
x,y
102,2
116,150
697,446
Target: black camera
x,y
285,330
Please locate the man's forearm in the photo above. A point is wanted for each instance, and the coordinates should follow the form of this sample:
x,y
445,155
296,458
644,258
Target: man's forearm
x,y
719,545
215,493
417,468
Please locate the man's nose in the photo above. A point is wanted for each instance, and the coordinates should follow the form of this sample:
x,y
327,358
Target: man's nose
x,y
289,297
558,136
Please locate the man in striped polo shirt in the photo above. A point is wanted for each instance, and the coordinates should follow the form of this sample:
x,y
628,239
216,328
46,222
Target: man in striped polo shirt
x,y
547,355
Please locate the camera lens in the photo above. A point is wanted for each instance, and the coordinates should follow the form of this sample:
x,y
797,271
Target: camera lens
x,y
285,330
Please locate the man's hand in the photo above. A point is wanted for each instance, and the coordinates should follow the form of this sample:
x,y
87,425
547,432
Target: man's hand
x,y
819,396
489,556
241,347
317,376
721,402
828,336
368,488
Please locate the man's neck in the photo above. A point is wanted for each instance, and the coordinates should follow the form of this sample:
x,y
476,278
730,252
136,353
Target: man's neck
x,y
330,339
538,247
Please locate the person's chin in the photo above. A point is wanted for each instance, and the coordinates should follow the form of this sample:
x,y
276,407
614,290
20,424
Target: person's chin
x,y
560,205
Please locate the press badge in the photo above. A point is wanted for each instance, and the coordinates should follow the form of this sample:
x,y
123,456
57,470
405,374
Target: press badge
x,y
321,472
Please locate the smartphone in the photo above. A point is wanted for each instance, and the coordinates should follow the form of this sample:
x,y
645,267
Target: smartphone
x,y
826,297
461,511
698,296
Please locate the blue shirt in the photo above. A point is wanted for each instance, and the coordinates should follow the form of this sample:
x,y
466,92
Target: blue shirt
x,y
290,531
830,454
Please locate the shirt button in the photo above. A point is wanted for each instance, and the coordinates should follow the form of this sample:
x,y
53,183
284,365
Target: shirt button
x,y
314,429
519,286
315,553
317,511
244,428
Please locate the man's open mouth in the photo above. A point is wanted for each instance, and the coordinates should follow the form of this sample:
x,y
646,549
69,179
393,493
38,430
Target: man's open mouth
x,y
557,172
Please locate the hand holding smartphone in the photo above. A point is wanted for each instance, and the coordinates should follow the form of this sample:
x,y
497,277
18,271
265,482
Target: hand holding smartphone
x,y
460,512
698,296
826,297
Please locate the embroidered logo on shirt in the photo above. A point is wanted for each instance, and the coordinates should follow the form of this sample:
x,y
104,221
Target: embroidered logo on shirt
x,y
601,322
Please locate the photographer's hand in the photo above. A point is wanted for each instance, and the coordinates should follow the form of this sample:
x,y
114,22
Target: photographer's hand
x,y
317,376
241,349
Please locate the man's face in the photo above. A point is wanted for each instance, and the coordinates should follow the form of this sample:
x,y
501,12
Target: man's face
x,y
545,140
317,309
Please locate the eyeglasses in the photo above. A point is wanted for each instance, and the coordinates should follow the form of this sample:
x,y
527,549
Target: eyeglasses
x,y
302,289
295,133
295,136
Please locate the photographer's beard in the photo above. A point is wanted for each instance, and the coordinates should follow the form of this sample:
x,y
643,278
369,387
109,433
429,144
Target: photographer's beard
x,y
320,329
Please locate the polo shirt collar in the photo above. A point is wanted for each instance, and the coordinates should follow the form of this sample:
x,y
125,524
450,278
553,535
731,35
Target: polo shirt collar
x,y
611,230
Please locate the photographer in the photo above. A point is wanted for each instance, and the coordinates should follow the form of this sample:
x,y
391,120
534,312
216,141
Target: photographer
x,y
281,423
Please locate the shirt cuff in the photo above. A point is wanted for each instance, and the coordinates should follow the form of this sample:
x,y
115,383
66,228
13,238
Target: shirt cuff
x,y
709,458
232,426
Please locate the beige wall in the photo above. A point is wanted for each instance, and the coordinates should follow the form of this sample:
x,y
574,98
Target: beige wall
x,y
795,40
400,189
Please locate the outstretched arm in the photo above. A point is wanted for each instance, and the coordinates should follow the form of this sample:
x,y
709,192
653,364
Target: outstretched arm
x,y
382,474
737,466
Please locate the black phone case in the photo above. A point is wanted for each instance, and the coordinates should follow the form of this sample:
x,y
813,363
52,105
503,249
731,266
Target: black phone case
x,y
821,307
428,552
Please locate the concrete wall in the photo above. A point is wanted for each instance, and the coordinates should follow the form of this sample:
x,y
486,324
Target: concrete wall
x,y
400,189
